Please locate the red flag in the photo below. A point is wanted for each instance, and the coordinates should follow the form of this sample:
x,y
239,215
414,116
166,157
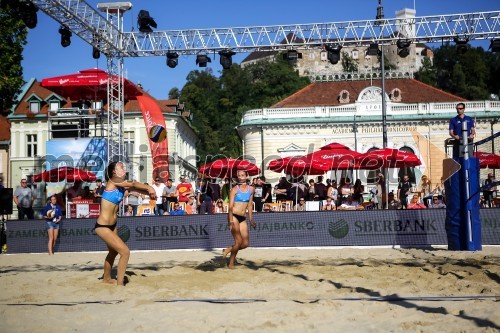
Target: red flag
x,y
152,115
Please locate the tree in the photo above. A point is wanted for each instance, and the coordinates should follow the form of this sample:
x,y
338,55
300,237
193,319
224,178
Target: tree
x,y
349,64
218,104
13,35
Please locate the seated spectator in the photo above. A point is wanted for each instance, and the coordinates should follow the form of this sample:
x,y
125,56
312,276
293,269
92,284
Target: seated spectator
x,y
219,207
350,204
330,205
129,211
436,202
301,206
283,207
415,203
267,208
177,210
191,207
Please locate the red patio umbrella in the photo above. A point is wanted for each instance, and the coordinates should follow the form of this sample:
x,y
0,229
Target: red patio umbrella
x,y
335,156
298,166
68,174
88,83
488,160
228,167
387,158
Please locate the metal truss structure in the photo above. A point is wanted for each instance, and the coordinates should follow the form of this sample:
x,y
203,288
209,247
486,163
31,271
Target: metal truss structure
x,y
105,33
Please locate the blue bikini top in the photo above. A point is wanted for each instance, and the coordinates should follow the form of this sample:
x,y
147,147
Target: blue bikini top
x,y
242,196
115,196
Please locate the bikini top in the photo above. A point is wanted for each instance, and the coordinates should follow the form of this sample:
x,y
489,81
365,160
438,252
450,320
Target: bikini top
x,y
242,196
115,196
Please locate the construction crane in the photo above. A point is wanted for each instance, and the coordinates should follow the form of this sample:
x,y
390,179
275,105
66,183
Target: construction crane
x,y
102,28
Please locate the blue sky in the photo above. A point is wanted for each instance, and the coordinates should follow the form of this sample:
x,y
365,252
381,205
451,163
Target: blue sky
x,y
45,57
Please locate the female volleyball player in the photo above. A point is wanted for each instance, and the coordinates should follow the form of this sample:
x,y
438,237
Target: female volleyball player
x,y
240,201
106,223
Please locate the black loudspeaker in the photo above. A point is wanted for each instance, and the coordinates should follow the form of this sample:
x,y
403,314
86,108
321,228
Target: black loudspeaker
x,y
6,195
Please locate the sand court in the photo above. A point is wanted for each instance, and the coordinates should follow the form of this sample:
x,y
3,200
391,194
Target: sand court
x,y
296,290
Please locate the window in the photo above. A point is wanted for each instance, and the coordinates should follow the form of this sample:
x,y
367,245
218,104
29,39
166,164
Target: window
x,y
311,56
31,145
97,105
54,106
355,54
324,56
35,107
128,140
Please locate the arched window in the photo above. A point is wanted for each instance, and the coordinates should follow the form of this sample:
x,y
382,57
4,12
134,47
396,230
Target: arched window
x,y
409,171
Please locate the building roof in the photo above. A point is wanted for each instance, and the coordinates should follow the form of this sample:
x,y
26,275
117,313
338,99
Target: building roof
x,y
4,129
35,89
327,93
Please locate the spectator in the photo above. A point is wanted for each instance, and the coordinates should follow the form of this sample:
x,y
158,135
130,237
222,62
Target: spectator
x,y
53,215
345,186
330,205
191,207
301,206
311,191
415,203
298,190
215,190
404,189
133,200
488,193
267,208
333,193
1,183
184,190
219,207
86,194
98,191
280,190
380,196
393,203
350,204
283,207
129,211
436,202
168,195
23,198
158,187
321,189
261,194
226,189
358,190
439,190
73,193
177,210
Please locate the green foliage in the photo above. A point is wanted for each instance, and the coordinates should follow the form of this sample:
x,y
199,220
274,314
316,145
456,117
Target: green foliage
x,y
471,75
13,35
349,64
218,104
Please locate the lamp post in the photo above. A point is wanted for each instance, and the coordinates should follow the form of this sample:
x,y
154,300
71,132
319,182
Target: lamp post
x,y
380,16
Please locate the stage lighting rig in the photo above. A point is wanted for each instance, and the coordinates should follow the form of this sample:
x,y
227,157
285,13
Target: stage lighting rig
x,y
461,43
333,53
202,59
145,22
403,47
226,58
373,50
28,14
65,36
172,60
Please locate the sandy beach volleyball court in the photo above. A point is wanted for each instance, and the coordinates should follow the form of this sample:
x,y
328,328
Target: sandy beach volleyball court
x,y
270,290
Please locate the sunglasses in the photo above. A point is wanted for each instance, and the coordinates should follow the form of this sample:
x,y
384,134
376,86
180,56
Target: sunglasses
x,y
460,108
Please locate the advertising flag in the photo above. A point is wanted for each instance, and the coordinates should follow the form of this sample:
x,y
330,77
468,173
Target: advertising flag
x,y
153,116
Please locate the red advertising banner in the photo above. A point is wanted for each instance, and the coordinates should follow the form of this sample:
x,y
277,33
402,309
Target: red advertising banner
x,y
152,115
83,210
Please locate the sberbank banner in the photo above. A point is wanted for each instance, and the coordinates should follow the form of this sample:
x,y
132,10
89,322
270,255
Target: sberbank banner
x,y
294,229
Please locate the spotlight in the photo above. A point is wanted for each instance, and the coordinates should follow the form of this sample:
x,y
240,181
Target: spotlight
x,y
145,22
403,47
172,59
96,54
333,53
461,43
202,59
28,14
65,36
225,58
292,56
495,45
373,50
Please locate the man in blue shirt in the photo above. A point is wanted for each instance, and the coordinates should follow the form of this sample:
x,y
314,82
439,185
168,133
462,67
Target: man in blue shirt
x,y
456,127
177,210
